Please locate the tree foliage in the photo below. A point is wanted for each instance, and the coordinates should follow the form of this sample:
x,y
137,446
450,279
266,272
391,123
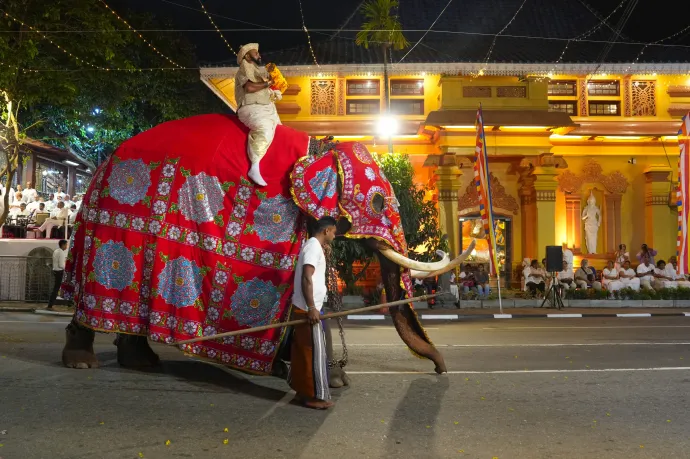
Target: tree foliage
x,y
50,77
419,220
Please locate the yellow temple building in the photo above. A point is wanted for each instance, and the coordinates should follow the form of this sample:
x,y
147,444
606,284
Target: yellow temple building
x,y
552,140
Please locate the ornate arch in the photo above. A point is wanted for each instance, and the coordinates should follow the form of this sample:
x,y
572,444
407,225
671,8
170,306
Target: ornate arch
x,y
500,198
615,182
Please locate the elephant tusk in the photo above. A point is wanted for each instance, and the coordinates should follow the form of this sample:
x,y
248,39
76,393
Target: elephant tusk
x,y
408,263
454,263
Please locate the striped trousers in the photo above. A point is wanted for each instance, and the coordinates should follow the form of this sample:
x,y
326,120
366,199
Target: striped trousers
x,y
308,374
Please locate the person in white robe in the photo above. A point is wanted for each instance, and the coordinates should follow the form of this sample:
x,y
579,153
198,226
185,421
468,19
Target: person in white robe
x,y
29,194
610,278
57,218
565,278
568,256
645,272
256,106
628,277
664,278
672,269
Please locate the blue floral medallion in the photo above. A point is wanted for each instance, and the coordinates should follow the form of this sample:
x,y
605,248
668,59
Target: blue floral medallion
x,y
179,283
201,198
129,181
114,265
324,183
255,303
275,219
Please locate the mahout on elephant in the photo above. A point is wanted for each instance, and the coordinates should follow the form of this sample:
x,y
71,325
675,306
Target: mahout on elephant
x,y
173,242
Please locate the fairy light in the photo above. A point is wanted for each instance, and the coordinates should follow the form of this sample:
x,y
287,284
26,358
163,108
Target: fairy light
x,y
493,43
637,58
76,58
140,36
18,68
216,27
304,27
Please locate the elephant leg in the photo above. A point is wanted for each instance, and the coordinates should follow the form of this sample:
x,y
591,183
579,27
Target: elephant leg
x,y
404,318
134,351
336,376
78,350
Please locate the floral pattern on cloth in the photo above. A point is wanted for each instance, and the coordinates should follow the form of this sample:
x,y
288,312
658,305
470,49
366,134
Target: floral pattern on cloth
x,y
129,181
114,265
201,198
262,299
315,184
275,219
180,282
188,270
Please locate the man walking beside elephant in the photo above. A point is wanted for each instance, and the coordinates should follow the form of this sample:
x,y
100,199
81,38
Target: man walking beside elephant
x,y
309,370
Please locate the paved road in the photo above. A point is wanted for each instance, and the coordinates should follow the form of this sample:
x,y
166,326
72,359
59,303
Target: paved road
x,y
531,388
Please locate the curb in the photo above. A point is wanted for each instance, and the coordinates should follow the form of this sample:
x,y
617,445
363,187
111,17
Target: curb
x,y
53,313
521,316
9,309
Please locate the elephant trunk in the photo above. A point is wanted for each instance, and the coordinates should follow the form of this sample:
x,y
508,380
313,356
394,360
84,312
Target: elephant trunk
x,y
404,318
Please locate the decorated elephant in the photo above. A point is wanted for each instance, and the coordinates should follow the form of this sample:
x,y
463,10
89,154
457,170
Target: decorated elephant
x,y
173,242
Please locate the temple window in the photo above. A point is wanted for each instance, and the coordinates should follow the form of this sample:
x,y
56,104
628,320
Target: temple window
x,y
604,108
603,88
563,88
323,97
563,106
407,87
363,107
363,87
407,106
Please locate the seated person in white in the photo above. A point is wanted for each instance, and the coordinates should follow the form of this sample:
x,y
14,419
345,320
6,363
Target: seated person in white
x,y
679,278
29,193
664,278
645,272
19,211
534,278
610,278
68,201
565,278
50,203
585,275
466,279
548,279
628,277
72,214
454,287
14,203
77,201
34,204
58,218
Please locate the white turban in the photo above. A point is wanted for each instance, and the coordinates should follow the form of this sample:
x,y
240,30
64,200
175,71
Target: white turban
x,y
244,50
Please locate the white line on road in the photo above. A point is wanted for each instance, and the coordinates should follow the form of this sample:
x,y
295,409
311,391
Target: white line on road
x,y
366,317
562,316
440,316
679,343
472,372
634,315
503,316
584,328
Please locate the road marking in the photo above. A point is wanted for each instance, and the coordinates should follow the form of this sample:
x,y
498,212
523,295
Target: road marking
x,y
494,372
585,328
503,316
366,317
563,315
687,314
679,343
634,315
392,328
440,316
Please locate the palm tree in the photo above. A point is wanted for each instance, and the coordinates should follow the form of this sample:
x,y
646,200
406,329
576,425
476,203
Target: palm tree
x,y
383,29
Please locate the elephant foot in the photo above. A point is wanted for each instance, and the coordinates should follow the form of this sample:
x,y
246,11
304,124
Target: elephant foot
x,y
337,378
78,351
134,352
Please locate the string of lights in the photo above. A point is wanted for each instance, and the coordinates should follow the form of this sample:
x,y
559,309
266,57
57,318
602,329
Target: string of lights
x,y
637,58
304,27
140,35
216,27
493,43
431,27
73,56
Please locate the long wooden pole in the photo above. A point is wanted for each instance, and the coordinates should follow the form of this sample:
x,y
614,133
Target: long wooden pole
x,y
303,321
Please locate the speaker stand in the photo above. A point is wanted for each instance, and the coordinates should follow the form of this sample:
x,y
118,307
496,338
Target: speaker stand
x,y
553,296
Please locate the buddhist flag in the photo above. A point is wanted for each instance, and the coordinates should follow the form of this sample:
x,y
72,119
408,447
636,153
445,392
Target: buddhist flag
x,y
481,180
683,195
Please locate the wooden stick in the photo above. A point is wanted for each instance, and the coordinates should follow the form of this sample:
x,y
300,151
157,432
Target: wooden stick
x,y
303,321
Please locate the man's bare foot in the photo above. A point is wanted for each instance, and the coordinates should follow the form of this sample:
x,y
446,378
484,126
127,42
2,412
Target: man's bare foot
x,y
314,403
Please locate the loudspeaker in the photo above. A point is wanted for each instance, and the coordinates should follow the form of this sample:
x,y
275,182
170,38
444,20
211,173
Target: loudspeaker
x,y
554,258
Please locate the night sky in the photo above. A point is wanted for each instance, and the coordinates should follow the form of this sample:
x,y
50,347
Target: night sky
x,y
650,20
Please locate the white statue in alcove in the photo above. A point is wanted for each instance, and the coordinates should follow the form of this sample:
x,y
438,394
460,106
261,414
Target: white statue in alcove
x,y
591,216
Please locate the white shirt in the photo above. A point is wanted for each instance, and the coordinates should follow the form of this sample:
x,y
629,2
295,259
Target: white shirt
x,y
562,275
642,269
59,259
28,195
72,216
452,278
60,214
627,272
61,194
311,254
529,278
609,272
33,206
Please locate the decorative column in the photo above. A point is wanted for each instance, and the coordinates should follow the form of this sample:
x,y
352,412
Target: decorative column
x,y
528,213
573,209
545,186
612,212
71,180
448,183
660,220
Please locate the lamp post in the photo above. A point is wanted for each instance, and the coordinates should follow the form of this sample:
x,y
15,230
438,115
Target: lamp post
x,y
388,127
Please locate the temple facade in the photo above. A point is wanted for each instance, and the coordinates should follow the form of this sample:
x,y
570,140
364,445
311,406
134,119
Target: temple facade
x,y
554,139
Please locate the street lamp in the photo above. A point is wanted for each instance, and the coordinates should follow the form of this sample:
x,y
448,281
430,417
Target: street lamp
x,y
388,127
90,129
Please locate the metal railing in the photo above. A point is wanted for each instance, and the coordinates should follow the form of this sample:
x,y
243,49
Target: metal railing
x,y
27,279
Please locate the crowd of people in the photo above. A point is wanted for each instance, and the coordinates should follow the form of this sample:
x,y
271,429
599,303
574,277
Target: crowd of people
x,y
27,207
618,273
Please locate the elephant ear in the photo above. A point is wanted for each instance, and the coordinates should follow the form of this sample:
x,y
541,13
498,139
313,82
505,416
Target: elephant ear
x,y
315,185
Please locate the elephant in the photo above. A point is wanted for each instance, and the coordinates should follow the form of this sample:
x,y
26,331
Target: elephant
x,y
173,242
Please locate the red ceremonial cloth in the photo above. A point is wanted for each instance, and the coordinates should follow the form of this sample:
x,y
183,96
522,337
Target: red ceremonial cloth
x,y
173,241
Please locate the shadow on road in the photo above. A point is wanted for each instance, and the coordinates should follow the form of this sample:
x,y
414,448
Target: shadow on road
x,y
415,418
